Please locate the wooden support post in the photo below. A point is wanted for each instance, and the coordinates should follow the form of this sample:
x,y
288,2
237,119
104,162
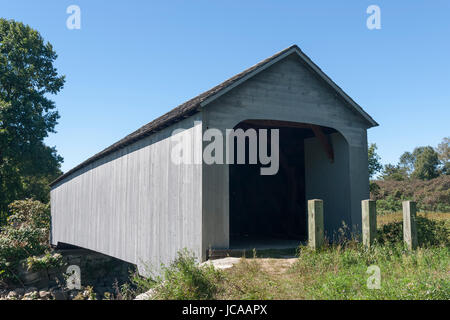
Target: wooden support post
x,y
315,223
409,224
369,221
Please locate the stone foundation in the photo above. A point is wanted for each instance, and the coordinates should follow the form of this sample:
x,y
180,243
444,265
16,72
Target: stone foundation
x,y
98,271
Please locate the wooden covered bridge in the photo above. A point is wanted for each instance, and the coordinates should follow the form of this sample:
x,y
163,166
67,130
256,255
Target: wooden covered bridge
x,y
132,202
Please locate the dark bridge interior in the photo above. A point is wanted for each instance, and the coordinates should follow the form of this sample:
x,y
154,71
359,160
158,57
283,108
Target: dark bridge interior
x,y
270,210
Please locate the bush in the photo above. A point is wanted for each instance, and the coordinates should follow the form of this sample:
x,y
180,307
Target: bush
x,y
183,279
45,261
429,232
431,195
31,213
390,204
25,235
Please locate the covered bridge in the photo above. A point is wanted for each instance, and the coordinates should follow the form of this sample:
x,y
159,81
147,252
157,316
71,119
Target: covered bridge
x,y
132,201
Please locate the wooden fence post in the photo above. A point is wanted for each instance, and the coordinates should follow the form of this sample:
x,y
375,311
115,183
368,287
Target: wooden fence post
x,y
409,224
315,223
369,221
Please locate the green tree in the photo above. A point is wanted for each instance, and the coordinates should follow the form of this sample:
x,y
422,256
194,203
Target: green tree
x,y
423,163
426,166
394,172
27,115
443,150
407,161
374,160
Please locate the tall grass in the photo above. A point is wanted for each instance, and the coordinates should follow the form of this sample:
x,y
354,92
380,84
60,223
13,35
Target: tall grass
x,y
183,279
341,272
336,271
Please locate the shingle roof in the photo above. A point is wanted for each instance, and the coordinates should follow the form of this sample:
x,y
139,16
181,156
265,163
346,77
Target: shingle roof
x,y
192,106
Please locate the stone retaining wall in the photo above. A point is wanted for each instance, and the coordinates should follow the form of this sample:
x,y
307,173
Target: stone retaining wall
x,y
98,271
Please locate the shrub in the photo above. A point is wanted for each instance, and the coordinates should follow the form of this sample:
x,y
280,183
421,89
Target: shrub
x,y
25,235
431,195
45,262
183,279
31,213
429,232
389,204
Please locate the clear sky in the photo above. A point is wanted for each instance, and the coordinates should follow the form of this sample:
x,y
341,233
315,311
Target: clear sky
x,y
132,60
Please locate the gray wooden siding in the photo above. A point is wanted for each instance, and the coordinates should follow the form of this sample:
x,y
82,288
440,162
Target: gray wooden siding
x,y
135,204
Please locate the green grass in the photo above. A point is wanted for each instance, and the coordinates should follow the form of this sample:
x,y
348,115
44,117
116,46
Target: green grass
x,y
341,273
183,279
338,271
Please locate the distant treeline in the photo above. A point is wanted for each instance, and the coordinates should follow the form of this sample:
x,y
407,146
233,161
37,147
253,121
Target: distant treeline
x,y
422,175
430,195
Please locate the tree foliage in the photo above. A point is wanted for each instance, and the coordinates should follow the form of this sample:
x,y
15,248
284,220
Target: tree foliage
x,y
27,115
426,164
430,195
407,160
374,160
394,172
443,150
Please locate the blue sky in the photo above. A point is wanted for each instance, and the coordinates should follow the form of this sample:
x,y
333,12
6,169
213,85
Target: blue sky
x,y
132,61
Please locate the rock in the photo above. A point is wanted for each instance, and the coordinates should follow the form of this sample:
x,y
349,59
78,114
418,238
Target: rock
x,y
30,295
12,295
30,290
31,277
146,295
59,295
19,291
224,263
44,294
